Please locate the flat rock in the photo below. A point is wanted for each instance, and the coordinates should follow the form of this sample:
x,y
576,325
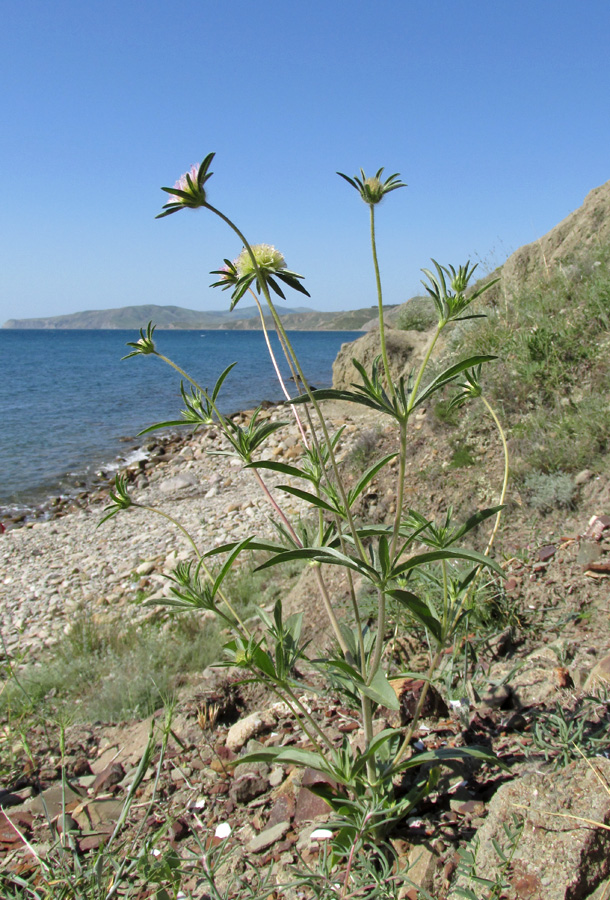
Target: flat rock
x,y
558,856
268,837
241,732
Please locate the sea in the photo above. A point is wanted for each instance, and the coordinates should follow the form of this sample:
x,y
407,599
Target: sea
x,y
70,407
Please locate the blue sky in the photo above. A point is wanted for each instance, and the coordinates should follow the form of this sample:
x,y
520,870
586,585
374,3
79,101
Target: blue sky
x,y
496,114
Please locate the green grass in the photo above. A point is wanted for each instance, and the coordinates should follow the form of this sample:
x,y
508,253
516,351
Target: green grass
x,y
100,674
553,371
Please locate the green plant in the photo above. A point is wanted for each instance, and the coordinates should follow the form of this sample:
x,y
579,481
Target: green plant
x,y
461,456
563,734
417,315
103,673
547,492
384,557
112,871
486,888
364,448
552,337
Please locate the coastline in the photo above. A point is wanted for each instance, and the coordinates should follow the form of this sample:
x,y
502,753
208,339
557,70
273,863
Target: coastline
x,y
97,399
66,567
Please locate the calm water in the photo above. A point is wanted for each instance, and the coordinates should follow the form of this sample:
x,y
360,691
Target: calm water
x,y
67,399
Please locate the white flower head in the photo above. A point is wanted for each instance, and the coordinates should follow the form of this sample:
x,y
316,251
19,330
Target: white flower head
x,y
222,831
267,257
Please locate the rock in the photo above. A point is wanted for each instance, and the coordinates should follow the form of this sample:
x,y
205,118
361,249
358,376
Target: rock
x,y
583,477
557,857
111,775
268,837
423,862
497,696
177,483
246,728
405,350
589,552
247,787
596,527
599,675
535,681
51,802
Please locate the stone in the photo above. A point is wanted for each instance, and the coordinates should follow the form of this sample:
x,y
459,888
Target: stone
x,y
589,552
241,731
599,675
111,775
553,807
247,787
268,837
51,802
583,476
423,862
178,482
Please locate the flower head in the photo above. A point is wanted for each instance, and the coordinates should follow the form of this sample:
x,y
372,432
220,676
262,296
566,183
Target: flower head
x,y
242,274
189,191
267,258
373,189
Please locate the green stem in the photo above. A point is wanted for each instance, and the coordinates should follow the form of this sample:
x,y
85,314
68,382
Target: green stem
x,y
420,705
290,352
400,492
422,368
180,371
382,340
379,637
277,369
311,721
201,563
506,473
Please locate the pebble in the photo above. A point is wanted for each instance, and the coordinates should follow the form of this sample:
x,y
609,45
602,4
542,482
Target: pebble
x,y
53,571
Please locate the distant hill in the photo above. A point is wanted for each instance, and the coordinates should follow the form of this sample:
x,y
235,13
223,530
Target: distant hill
x,y
176,317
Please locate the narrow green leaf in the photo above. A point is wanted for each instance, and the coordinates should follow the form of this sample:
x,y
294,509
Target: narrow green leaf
x,y
449,374
420,610
228,563
280,467
368,477
308,497
433,556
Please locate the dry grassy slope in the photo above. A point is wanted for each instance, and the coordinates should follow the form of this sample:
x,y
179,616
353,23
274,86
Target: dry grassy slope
x,y
581,231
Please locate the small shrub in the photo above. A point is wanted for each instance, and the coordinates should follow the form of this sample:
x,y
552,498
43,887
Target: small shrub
x,y
548,492
418,315
461,456
364,449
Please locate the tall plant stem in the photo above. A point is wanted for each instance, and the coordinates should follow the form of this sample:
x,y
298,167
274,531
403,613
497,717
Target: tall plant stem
x,y
180,371
494,531
329,609
506,474
201,562
420,705
422,368
290,352
309,719
384,351
276,507
277,370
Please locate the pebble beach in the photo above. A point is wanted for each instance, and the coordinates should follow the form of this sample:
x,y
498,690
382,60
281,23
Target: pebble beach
x,y
54,571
